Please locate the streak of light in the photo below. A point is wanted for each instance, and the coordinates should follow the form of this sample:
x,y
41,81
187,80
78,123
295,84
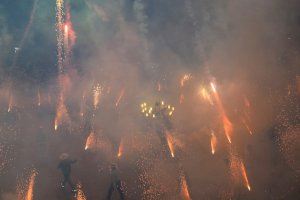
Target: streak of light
x,y
227,125
213,142
170,141
244,173
184,189
29,194
121,149
184,79
90,141
120,97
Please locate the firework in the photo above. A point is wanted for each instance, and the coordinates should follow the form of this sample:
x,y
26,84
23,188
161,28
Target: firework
x,y
170,141
80,193
227,125
184,189
120,97
10,103
60,33
39,97
244,174
148,111
61,113
90,141
213,142
206,95
247,126
121,149
97,91
184,79
29,194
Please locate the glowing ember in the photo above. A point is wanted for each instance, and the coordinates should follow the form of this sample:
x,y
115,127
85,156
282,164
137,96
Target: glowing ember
x,y
29,194
206,96
184,189
226,122
80,193
213,142
97,91
245,176
184,79
120,97
170,141
90,141
121,148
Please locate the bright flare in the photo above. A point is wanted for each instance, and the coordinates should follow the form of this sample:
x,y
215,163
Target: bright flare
x,y
245,176
170,141
227,125
121,148
184,189
90,141
213,142
120,97
247,126
39,97
10,103
206,96
61,113
29,194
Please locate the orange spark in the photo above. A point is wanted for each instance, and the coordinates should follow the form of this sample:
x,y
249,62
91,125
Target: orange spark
x,y
213,142
227,125
245,176
61,113
206,96
184,79
184,189
120,97
29,195
80,193
121,149
170,141
90,141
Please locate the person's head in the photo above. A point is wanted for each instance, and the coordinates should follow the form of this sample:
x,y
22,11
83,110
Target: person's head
x,y
64,156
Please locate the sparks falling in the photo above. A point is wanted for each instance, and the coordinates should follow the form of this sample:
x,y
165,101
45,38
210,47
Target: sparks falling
x,y
90,141
29,194
227,125
247,126
213,142
60,33
184,189
120,97
10,103
121,148
61,113
97,91
170,141
206,96
80,193
244,174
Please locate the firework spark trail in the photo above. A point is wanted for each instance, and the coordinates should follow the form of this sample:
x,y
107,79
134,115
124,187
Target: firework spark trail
x,y
39,97
82,105
80,193
213,143
244,174
227,125
61,112
120,97
206,96
29,195
184,189
121,148
97,91
90,141
247,126
60,33
184,79
25,35
10,102
170,141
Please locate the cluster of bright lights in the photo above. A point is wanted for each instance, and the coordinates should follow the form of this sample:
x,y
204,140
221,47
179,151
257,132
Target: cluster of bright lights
x,y
148,111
